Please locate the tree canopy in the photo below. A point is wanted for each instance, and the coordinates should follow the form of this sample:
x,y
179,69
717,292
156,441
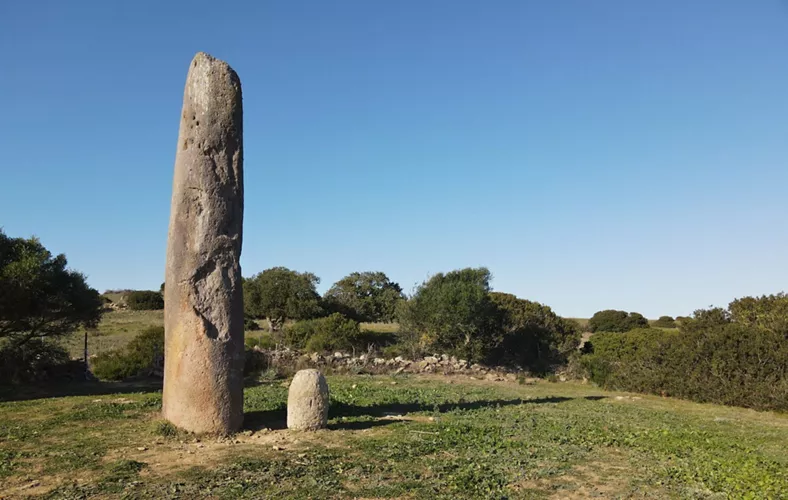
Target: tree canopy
x,y
453,312
39,295
616,321
280,293
365,296
535,337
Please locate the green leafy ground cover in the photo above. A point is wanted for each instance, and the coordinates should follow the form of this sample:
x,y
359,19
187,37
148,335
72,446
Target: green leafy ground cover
x,y
394,437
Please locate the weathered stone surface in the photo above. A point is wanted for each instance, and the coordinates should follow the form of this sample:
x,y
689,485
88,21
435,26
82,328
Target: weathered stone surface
x,y
307,401
203,313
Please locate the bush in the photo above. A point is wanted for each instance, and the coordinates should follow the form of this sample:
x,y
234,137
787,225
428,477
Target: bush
x,y
454,313
254,362
329,333
145,300
535,337
139,358
262,342
665,322
767,311
711,358
616,321
250,325
34,361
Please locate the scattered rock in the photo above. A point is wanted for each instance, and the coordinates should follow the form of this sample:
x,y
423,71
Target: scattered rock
x,y
142,448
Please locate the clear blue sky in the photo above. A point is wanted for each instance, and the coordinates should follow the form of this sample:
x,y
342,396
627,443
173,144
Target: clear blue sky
x,y
605,154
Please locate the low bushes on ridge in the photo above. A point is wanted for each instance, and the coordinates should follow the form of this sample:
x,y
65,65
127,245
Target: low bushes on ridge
x,y
719,356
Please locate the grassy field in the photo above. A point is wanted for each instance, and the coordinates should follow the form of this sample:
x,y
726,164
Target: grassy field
x,y
395,437
117,328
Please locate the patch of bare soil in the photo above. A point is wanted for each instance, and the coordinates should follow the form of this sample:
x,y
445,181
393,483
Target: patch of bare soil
x,y
605,477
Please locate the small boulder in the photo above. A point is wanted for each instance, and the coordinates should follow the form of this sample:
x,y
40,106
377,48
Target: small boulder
x,y
307,401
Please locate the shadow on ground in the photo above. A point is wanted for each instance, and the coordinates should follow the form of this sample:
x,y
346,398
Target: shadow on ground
x,y
77,388
277,419
339,409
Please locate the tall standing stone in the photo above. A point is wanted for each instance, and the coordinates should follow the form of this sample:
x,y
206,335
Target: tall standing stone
x,y
203,303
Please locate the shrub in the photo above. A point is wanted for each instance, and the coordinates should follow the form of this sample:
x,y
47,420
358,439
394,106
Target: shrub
x,y
711,358
262,342
139,358
616,321
33,361
767,311
145,300
535,337
454,313
254,362
329,333
665,322
250,325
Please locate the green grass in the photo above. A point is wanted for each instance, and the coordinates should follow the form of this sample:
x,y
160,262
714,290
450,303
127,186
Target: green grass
x,y
395,437
116,329
380,327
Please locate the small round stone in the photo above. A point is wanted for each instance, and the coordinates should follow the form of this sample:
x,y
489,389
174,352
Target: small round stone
x,y
307,401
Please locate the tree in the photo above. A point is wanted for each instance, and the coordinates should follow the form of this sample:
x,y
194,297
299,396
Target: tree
x,y
665,322
279,293
616,321
39,296
365,296
454,313
535,337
